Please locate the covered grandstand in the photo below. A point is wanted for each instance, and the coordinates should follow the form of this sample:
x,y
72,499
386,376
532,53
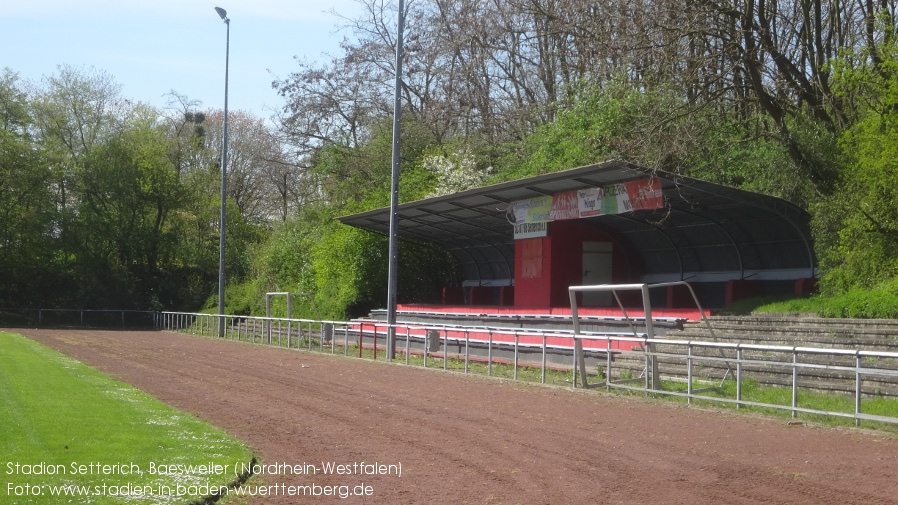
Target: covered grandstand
x,y
521,244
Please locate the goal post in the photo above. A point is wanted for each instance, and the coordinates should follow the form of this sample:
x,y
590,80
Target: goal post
x,y
652,375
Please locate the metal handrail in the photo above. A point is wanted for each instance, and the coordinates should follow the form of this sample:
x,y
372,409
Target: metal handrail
x,y
493,338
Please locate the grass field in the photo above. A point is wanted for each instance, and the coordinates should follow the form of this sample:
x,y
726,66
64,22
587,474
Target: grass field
x,y
70,430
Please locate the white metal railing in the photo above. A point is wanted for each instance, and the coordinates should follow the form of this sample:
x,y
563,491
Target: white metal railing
x,y
532,347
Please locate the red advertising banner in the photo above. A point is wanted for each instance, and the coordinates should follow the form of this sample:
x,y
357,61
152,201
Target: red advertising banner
x,y
645,194
565,206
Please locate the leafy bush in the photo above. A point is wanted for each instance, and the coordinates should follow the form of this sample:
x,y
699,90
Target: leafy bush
x,y
880,302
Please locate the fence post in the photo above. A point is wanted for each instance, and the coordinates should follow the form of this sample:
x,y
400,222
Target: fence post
x,y
515,355
794,382
608,363
738,377
489,355
467,349
857,389
689,373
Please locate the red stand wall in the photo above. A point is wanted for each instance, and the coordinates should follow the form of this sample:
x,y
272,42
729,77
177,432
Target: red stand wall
x,y
545,283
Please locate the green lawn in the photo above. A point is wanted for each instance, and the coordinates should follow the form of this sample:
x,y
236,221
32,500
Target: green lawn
x,y
65,424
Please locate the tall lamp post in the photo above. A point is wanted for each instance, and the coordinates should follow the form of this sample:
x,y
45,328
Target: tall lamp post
x,y
393,267
224,161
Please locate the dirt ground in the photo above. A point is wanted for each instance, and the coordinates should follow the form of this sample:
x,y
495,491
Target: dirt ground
x,y
472,440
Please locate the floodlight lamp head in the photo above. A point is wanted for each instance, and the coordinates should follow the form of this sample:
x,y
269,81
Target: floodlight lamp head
x,y
222,13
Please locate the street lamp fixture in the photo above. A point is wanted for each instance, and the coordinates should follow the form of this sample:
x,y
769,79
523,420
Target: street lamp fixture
x,y
224,161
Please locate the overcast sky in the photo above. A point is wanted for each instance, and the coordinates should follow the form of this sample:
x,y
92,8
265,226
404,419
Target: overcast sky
x,y
153,47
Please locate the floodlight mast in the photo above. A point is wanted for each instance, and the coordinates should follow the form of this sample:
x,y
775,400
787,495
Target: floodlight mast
x,y
392,281
224,161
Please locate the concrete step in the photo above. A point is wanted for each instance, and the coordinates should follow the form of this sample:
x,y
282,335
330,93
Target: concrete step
x,y
869,334
785,321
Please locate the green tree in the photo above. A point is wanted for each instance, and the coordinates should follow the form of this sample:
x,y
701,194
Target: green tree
x,y
128,192
28,233
858,226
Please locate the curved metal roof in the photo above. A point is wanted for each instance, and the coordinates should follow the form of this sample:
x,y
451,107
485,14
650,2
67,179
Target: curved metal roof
x,y
704,232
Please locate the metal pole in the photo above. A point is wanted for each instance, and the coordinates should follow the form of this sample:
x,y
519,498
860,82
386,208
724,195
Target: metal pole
x,y
467,349
224,162
489,354
608,363
689,374
578,355
392,283
516,341
857,389
794,382
651,359
738,377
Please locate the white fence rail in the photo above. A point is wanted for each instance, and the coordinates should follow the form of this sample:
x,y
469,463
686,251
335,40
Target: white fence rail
x,y
606,351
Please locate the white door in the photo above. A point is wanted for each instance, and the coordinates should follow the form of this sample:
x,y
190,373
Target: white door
x,y
596,270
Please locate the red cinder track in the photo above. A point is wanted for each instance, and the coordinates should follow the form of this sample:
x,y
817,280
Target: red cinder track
x,y
463,439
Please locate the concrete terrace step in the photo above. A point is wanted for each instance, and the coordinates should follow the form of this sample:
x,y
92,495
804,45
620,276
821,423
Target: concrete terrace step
x,y
547,321
785,321
866,334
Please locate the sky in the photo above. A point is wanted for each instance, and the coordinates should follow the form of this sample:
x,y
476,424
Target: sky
x,y
151,48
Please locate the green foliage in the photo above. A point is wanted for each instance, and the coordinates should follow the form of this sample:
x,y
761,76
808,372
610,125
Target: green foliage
x,y
345,268
580,134
730,151
282,263
857,227
27,214
359,176
879,302
127,189
654,127
350,271
103,203
97,209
